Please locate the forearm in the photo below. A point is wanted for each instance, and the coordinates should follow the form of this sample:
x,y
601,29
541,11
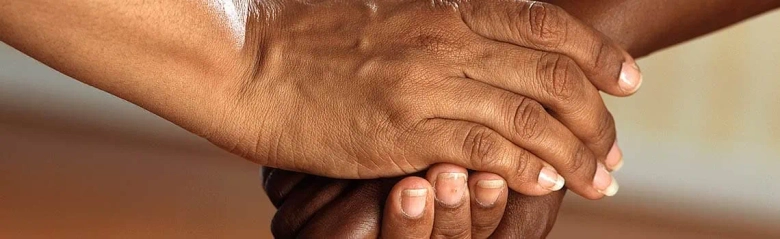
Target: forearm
x,y
157,54
645,26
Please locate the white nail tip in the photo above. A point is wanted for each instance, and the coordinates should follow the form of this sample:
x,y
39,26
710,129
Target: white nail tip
x,y
612,189
452,175
415,192
492,184
558,184
618,166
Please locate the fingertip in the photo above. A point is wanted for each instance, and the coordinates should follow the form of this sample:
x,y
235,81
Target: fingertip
x,y
437,169
488,202
550,179
538,182
630,78
604,182
593,186
618,166
531,190
488,189
412,195
614,160
627,81
559,183
409,210
411,182
449,184
603,185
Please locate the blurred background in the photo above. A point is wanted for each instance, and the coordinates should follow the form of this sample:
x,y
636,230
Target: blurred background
x,y
701,143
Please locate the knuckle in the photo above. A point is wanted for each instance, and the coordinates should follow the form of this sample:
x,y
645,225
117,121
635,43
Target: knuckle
x,y
417,79
547,24
370,67
523,166
480,146
484,225
398,115
598,54
430,42
528,119
407,98
437,41
578,161
454,231
481,55
605,130
560,77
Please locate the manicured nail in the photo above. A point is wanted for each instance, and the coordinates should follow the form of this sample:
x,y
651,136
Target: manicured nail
x,y
614,159
450,188
413,202
487,191
630,77
550,179
604,182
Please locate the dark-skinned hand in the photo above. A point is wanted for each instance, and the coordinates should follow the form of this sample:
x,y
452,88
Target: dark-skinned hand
x,y
316,207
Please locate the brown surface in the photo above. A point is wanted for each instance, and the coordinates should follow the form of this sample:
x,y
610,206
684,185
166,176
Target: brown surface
x,y
66,184
620,220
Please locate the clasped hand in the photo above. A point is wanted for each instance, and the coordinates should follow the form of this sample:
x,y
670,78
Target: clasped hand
x,y
367,90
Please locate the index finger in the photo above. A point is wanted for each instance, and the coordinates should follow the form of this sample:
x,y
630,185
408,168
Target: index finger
x,y
546,27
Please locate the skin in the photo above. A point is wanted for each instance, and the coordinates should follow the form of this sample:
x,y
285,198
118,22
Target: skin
x,y
317,209
644,26
640,26
276,90
352,89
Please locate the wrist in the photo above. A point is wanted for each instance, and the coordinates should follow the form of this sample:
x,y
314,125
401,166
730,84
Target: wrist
x,y
644,26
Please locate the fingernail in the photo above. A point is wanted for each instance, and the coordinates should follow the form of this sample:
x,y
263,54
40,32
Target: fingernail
x,y
604,182
487,191
413,202
550,179
614,159
450,188
630,77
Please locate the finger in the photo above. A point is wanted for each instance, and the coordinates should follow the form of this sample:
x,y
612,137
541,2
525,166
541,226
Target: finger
x,y
553,80
452,217
525,123
488,200
547,27
264,172
477,147
409,210
302,203
353,214
529,217
279,183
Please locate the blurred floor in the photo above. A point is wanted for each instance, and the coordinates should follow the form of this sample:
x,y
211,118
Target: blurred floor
x,y
65,183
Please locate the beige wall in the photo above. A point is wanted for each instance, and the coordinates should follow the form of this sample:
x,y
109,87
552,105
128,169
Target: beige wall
x,y
706,124
702,144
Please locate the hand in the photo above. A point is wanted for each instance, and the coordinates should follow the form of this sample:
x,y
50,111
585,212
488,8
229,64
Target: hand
x,y
355,209
356,90
440,208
